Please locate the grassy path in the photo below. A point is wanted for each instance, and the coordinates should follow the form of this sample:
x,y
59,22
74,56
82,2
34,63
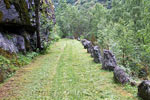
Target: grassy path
x,y
67,72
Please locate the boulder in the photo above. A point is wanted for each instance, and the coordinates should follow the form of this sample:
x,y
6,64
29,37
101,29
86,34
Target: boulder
x,y
97,54
82,41
85,44
92,51
78,39
7,44
19,42
12,43
120,75
89,46
109,61
144,90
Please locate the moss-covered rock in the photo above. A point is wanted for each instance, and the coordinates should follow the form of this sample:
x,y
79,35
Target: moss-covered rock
x,y
23,11
22,8
7,2
14,11
18,16
7,15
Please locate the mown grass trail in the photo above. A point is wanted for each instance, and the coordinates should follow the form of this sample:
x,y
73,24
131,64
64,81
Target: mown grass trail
x,y
67,72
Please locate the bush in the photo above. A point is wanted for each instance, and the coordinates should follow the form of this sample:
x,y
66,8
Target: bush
x,y
9,65
56,33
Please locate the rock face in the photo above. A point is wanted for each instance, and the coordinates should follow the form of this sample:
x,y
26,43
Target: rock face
x,y
109,61
144,90
120,75
8,12
19,43
12,43
14,11
97,54
19,16
23,11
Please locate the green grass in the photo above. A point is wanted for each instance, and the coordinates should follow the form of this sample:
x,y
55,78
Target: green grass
x,y
10,63
67,72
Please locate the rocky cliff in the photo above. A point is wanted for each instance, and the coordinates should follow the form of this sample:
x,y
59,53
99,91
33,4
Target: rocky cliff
x,y
18,23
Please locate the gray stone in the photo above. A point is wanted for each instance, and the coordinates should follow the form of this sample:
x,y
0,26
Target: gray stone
x,y
78,39
12,43
144,90
97,54
8,14
17,17
89,46
7,44
120,75
27,38
92,51
109,61
84,43
20,44
33,41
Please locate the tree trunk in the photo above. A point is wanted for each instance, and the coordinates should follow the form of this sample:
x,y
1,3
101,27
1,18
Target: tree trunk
x,y
37,7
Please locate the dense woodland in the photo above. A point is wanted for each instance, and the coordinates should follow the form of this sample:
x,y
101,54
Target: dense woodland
x,y
119,25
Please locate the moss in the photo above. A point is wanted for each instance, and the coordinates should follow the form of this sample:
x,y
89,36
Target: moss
x,y
1,16
22,9
7,63
7,54
7,4
25,13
